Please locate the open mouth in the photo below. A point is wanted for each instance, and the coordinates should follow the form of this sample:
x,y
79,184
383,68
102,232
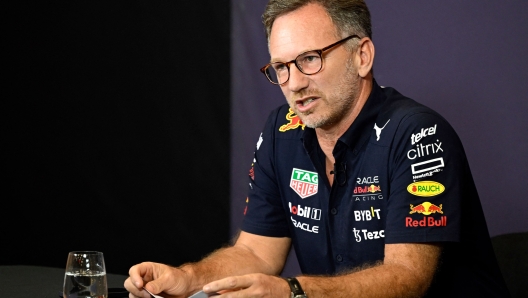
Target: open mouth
x,y
305,102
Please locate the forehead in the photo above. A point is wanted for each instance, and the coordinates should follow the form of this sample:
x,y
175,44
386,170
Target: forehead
x,y
306,28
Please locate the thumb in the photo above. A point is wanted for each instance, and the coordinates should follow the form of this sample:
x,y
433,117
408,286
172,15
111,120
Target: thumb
x,y
154,287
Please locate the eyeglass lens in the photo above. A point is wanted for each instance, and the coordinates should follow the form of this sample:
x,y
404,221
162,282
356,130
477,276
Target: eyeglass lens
x,y
308,63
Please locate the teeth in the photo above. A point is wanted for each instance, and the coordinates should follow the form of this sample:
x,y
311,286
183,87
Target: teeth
x,y
307,101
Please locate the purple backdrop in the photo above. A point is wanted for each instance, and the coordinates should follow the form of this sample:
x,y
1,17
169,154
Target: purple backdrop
x,y
466,60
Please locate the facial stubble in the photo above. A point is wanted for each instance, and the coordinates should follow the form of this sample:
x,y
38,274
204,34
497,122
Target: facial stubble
x,y
340,101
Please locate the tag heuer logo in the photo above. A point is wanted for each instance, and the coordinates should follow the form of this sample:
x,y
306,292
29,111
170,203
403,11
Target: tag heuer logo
x,y
304,183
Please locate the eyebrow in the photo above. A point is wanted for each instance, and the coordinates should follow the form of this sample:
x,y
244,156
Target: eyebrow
x,y
300,53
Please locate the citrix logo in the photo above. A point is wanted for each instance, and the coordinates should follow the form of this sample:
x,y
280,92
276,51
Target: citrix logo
x,y
307,212
422,150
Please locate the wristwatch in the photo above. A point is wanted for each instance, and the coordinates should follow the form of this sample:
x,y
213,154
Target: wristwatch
x,y
295,286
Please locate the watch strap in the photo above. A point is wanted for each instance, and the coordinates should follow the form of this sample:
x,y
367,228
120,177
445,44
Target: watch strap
x,y
295,286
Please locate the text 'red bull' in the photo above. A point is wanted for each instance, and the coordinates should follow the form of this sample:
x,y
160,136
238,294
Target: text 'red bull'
x,y
426,222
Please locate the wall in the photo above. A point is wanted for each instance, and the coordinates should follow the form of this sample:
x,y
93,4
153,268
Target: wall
x,y
465,59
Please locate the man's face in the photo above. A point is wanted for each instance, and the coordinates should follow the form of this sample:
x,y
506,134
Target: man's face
x,y
321,100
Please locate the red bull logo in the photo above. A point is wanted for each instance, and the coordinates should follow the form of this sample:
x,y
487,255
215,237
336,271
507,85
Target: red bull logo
x,y
367,189
426,208
252,173
293,122
425,188
426,222
245,209
373,188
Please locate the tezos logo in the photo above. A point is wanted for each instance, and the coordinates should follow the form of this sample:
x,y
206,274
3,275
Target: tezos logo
x,y
368,235
425,188
304,183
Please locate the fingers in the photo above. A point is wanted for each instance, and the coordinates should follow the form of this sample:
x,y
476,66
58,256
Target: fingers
x,y
139,275
234,283
156,278
250,285
142,294
228,283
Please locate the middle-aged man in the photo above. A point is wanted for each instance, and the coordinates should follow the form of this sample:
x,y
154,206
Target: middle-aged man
x,y
372,189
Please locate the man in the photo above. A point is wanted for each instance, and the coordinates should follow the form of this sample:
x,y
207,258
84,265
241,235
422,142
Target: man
x,y
372,189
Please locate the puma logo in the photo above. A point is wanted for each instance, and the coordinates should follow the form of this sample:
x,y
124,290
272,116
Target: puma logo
x,y
378,130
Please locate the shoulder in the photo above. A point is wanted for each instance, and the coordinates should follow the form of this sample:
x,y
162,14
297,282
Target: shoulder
x,y
401,107
282,121
408,112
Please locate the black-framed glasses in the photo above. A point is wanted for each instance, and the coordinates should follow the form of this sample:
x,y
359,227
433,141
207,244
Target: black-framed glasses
x,y
309,63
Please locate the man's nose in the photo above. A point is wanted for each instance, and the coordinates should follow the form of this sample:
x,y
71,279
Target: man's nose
x,y
297,80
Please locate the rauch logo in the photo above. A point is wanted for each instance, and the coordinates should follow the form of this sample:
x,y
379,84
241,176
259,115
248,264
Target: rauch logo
x,y
425,188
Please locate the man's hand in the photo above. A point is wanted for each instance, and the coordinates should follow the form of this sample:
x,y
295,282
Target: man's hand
x,y
251,253
156,278
250,285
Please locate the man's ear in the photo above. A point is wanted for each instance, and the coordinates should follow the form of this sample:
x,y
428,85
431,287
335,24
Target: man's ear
x,y
365,56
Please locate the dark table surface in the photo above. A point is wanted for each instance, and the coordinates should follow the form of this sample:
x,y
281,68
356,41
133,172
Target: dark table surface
x,y
22,281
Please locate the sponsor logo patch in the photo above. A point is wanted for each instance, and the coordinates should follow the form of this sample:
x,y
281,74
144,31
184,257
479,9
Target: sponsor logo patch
x,y
427,165
368,235
425,150
426,208
293,122
367,189
259,141
245,209
379,129
428,168
307,212
426,222
367,180
304,183
415,138
304,226
425,188
366,215
365,198
252,172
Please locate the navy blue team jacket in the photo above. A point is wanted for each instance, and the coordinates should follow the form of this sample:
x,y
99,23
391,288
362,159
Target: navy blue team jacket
x,y
401,175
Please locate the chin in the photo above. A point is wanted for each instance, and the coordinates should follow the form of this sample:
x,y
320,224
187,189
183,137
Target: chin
x,y
313,122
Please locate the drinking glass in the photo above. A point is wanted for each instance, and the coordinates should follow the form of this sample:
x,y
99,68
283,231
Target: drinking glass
x,y
85,275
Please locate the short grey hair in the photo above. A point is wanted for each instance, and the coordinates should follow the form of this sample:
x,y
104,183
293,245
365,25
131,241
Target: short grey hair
x,y
348,16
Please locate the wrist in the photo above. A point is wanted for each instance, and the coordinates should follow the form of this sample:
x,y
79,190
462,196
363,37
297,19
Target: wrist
x,y
187,274
296,291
